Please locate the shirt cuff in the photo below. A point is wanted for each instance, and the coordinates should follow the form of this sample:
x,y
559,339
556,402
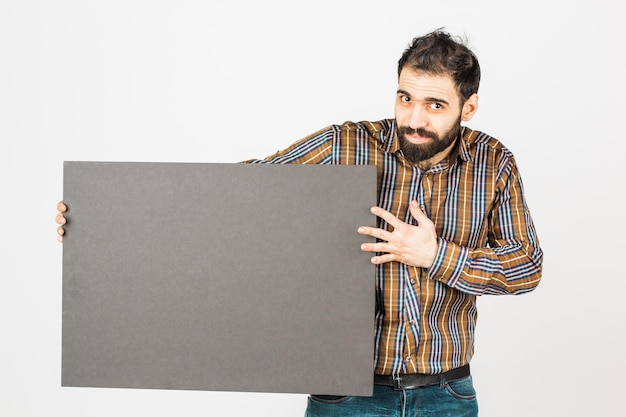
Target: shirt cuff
x,y
449,263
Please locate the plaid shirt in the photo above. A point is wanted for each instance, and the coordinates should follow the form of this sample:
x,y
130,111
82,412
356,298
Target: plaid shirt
x,y
425,318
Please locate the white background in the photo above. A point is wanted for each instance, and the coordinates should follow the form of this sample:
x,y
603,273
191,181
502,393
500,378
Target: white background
x,y
224,80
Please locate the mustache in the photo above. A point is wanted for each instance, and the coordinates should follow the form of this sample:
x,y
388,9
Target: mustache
x,y
406,130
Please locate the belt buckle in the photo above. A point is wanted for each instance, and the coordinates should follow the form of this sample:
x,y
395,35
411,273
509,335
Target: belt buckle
x,y
401,384
397,380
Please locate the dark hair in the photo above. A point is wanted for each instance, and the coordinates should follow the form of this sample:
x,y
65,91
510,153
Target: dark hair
x,y
439,53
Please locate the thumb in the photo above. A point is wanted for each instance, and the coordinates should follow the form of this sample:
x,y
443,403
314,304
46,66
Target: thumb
x,y
417,213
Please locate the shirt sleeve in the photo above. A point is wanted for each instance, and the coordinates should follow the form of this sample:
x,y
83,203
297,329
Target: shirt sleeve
x,y
512,261
313,149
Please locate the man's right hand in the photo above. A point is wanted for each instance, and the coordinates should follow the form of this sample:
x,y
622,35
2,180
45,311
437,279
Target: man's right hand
x,y
60,219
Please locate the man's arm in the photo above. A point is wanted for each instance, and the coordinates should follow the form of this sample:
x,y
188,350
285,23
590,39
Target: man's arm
x,y
511,263
313,149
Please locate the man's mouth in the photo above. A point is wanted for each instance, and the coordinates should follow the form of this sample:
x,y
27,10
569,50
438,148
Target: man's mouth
x,y
416,138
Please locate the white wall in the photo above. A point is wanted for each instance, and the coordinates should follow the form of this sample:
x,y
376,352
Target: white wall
x,y
209,81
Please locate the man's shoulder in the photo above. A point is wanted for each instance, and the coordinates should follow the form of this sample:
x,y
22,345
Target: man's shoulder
x,y
477,141
380,129
369,127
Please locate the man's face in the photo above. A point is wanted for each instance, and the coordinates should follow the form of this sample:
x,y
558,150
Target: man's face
x,y
428,113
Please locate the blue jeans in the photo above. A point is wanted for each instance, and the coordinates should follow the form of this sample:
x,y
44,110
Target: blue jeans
x,y
456,399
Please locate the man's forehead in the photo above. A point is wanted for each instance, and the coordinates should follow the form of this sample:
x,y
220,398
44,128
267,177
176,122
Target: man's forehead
x,y
425,84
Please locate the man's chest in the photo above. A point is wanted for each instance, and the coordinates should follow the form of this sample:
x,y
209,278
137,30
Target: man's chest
x,y
458,200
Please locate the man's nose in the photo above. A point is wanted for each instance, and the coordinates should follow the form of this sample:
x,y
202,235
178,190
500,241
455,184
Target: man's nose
x,y
418,118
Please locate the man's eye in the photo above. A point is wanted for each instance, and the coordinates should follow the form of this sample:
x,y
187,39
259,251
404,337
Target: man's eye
x,y
405,99
436,106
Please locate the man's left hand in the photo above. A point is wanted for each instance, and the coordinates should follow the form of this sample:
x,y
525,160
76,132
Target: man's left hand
x,y
411,245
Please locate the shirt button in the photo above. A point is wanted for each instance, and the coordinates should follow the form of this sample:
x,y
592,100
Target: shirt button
x,y
412,280
412,322
423,208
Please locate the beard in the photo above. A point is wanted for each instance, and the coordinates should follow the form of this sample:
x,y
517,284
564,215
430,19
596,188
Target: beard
x,y
422,152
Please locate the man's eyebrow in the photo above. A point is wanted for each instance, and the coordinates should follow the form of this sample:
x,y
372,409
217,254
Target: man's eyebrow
x,y
427,99
401,91
436,100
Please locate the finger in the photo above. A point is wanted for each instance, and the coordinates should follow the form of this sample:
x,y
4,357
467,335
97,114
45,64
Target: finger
x,y
417,213
386,216
60,231
376,247
381,259
392,220
415,210
60,219
61,207
60,239
374,232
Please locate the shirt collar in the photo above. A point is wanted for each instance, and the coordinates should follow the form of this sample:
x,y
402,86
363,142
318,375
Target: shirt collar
x,y
467,138
388,138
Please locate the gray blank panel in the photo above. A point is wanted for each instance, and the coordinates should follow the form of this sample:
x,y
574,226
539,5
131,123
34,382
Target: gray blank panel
x,y
231,277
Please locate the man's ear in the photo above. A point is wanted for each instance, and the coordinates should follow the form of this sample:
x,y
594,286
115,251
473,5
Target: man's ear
x,y
470,107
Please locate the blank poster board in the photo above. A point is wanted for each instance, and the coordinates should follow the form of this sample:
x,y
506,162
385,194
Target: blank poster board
x,y
219,277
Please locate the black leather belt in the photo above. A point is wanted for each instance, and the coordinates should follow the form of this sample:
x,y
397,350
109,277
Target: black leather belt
x,y
409,381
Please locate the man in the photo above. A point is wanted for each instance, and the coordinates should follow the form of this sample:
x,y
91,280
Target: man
x,y
452,224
